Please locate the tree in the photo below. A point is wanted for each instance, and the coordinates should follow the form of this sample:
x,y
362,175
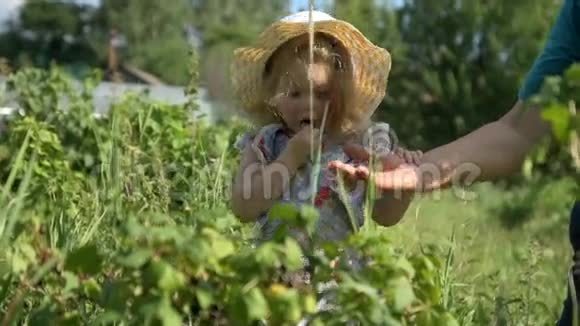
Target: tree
x,y
462,64
49,31
375,19
379,23
155,34
225,25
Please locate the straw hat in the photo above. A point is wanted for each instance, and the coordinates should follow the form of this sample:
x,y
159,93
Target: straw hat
x,y
370,64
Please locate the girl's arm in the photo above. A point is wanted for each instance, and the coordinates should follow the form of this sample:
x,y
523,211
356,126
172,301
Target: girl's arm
x,y
392,205
257,186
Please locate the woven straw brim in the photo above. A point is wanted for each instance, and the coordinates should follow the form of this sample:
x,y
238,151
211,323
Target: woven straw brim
x,y
370,65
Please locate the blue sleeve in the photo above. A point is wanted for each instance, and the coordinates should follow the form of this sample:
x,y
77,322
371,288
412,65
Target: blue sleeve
x,y
561,50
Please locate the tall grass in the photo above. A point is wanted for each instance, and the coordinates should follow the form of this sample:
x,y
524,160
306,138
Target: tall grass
x,y
494,274
131,220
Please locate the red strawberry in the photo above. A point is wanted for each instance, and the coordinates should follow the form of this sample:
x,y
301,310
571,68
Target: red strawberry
x,y
318,202
324,193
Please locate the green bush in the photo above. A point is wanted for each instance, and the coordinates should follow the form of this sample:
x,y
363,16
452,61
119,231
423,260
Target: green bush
x,y
559,98
124,218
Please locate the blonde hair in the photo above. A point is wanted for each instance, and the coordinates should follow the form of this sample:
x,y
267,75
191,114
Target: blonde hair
x,y
326,50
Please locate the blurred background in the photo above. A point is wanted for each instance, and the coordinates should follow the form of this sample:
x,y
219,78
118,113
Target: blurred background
x,y
456,64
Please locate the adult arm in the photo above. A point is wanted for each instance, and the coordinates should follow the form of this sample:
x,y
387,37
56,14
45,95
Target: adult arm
x,y
495,150
499,148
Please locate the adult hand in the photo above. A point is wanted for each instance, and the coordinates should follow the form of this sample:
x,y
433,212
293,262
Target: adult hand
x,y
394,172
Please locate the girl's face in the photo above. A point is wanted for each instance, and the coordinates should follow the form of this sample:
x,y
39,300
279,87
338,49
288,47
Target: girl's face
x,y
293,102
292,77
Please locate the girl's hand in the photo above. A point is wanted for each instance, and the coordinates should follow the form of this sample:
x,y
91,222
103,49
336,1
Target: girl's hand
x,y
305,142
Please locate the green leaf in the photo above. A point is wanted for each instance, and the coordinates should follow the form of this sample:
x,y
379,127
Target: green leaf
x,y
309,303
266,255
446,319
108,317
92,289
403,294
18,263
293,254
451,83
220,245
198,251
71,281
71,318
114,296
285,304
133,229
559,117
572,75
284,211
528,168
404,264
5,282
361,289
433,317
136,259
162,275
236,308
84,260
256,304
168,315
205,297
425,318
552,86
158,310
46,315
310,217
28,252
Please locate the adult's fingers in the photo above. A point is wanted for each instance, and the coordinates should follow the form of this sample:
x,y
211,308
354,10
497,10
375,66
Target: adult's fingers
x,y
356,151
391,161
404,178
417,157
408,156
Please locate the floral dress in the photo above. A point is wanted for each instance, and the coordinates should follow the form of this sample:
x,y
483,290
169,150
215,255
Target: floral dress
x,y
335,222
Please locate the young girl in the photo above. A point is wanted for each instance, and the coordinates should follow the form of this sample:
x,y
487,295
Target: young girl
x,y
304,99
